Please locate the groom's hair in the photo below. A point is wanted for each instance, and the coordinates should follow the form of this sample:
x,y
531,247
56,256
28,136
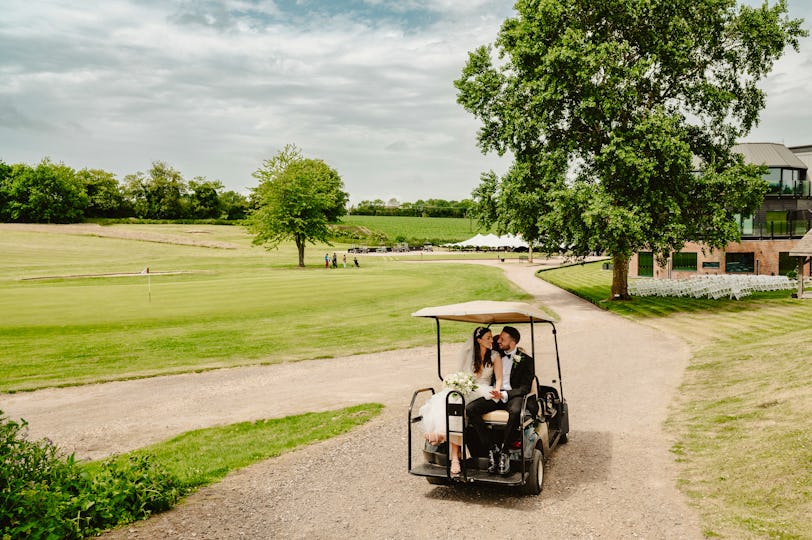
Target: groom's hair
x,y
512,332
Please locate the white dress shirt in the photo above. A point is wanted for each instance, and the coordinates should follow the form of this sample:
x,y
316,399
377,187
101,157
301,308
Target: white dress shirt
x,y
507,366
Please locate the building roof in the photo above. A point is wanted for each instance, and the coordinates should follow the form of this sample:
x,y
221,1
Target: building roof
x,y
769,154
804,247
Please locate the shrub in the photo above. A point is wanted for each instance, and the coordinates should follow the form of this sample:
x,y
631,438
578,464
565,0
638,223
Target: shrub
x,y
44,494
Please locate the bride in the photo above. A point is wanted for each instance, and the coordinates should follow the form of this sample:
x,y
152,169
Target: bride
x,y
479,359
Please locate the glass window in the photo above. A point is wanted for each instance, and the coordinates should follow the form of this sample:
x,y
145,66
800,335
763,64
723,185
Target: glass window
x,y
645,263
773,178
786,263
745,224
710,264
776,222
684,262
788,181
738,263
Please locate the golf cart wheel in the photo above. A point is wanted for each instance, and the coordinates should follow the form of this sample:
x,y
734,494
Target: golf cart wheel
x,y
435,481
535,478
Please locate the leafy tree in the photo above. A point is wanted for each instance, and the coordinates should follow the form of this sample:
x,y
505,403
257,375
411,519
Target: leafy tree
x,y
609,108
296,198
159,195
233,205
5,191
47,193
105,196
205,198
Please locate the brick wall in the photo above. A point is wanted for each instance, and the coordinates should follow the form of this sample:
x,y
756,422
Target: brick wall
x,y
765,253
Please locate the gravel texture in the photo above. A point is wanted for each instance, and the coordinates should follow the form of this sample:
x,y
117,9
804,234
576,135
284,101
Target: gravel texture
x,y
614,479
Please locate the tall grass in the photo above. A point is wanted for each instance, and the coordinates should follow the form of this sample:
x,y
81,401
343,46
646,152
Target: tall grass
x,y
743,416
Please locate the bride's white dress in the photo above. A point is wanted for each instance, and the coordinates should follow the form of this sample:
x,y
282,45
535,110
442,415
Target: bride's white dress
x,y
433,411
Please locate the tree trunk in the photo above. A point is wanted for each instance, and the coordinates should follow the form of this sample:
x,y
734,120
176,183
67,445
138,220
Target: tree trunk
x,y
529,252
300,245
620,277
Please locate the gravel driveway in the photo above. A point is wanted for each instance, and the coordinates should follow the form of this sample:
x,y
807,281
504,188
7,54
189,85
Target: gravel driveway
x,y
614,479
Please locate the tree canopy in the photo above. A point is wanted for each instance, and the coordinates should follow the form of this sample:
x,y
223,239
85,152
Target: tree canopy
x,y
296,198
621,115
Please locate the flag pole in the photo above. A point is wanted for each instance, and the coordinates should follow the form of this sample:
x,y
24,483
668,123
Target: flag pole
x,y
149,283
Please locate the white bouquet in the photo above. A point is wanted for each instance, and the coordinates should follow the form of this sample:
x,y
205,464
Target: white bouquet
x,y
461,382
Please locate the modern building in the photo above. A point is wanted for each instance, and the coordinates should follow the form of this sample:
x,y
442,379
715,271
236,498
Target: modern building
x,y
768,237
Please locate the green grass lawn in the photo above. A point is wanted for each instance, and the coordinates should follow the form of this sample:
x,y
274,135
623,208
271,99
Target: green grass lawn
x,y
438,230
236,306
743,416
205,456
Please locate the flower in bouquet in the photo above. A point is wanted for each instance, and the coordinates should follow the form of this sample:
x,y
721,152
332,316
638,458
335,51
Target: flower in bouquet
x,y
461,382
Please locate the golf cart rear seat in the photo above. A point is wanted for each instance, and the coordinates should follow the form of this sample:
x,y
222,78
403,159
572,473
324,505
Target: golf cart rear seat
x,y
500,417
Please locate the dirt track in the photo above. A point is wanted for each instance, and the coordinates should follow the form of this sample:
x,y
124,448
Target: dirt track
x,y
615,479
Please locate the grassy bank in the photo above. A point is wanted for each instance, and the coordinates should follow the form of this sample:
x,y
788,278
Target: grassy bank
x,y
743,416
52,496
204,456
235,306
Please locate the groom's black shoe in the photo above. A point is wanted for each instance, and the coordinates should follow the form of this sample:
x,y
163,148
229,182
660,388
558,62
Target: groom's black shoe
x,y
504,463
493,459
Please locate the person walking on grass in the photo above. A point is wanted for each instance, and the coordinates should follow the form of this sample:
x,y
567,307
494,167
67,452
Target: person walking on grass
x,y
327,260
344,259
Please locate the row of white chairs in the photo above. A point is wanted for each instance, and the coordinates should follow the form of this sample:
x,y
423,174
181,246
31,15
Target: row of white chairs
x,y
711,286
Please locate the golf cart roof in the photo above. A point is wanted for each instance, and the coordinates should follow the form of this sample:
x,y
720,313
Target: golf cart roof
x,y
485,312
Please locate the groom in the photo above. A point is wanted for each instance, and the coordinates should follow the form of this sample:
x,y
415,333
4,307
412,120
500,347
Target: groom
x,y
518,372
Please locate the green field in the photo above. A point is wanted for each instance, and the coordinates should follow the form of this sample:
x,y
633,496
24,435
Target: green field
x,y
418,229
234,306
743,417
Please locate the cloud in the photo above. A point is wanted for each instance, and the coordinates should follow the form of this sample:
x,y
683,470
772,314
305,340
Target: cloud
x,y
214,87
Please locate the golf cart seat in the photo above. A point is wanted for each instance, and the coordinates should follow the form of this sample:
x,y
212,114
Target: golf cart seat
x,y
500,417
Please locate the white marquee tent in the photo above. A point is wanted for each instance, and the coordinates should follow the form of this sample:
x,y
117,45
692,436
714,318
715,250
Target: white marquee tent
x,y
491,241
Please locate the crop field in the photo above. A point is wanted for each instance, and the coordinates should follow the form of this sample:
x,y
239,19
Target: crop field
x,y
437,230
201,307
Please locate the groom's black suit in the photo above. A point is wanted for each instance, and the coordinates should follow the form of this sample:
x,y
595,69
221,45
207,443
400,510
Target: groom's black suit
x,y
522,375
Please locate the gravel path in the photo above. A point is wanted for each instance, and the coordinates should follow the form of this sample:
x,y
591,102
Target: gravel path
x,y
615,478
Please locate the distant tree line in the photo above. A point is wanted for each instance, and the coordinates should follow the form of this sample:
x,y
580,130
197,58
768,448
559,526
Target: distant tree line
x,y
56,193
420,208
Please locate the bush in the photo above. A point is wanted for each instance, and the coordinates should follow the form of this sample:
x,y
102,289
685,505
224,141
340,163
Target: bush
x,y
46,495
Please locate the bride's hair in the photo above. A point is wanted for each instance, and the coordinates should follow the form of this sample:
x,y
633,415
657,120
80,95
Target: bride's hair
x,y
480,362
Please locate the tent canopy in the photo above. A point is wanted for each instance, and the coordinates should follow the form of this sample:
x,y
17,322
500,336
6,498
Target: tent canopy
x,y
492,241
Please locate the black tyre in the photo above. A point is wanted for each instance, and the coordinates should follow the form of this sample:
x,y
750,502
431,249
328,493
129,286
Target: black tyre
x,y
437,481
563,439
535,478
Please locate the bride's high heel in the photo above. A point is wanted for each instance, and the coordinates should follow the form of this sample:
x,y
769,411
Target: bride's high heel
x,y
455,466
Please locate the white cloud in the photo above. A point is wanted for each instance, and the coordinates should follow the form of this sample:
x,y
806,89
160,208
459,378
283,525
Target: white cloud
x,y
215,87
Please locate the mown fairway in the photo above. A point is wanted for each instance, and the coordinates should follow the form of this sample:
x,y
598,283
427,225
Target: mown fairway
x,y
743,419
442,230
235,306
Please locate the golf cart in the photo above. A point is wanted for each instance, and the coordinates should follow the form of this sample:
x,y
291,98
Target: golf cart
x,y
541,432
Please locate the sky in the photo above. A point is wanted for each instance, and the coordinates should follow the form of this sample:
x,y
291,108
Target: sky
x,y
214,87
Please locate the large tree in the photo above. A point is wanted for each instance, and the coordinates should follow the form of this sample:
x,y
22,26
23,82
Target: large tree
x,y
160,195
296,199
47,193
611,108
105,196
